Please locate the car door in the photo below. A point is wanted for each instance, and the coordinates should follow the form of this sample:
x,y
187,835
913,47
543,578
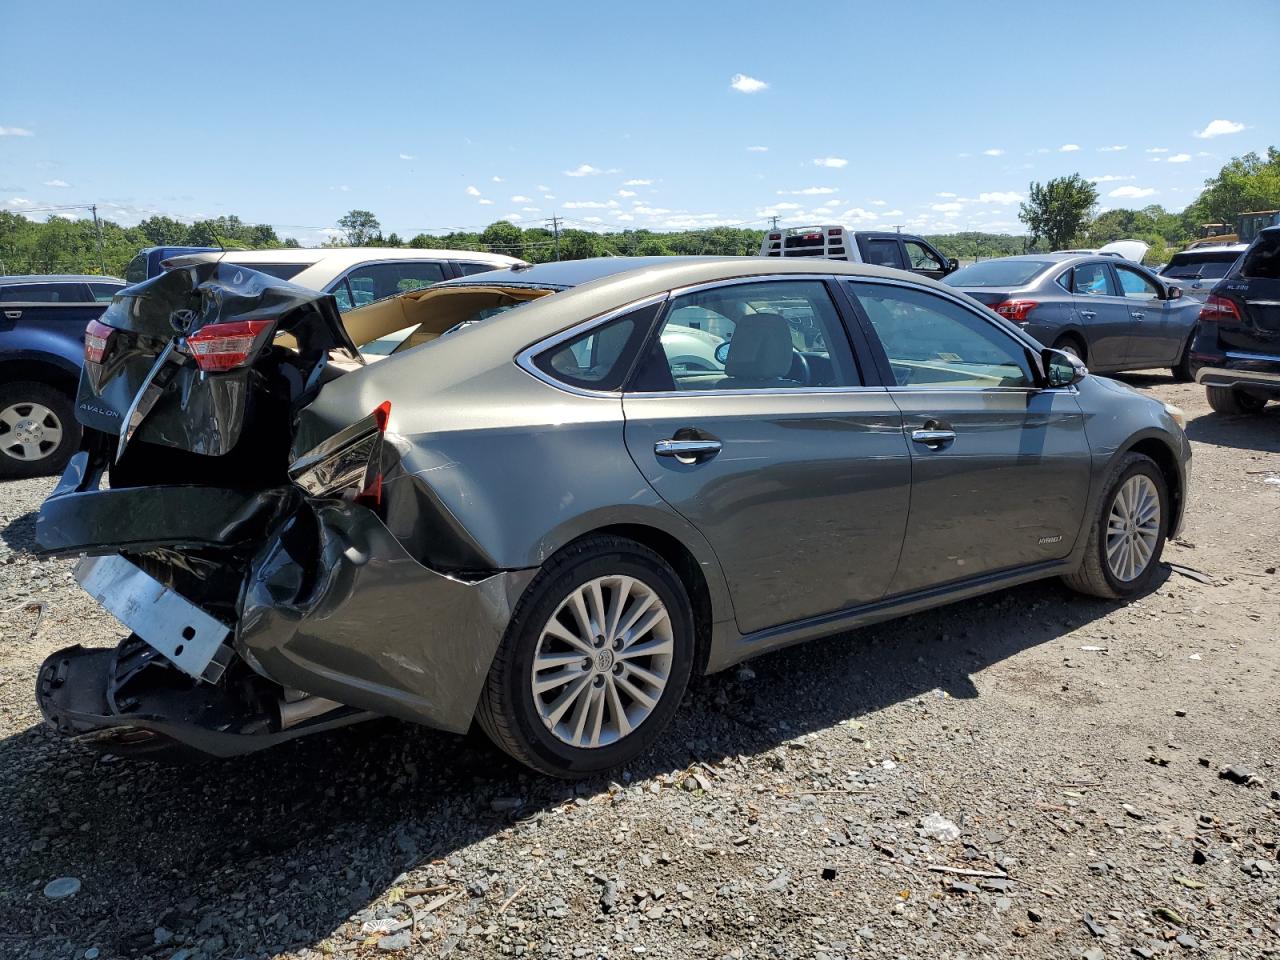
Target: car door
x,y
923,260
1159,328
794,469
999,467
1102,313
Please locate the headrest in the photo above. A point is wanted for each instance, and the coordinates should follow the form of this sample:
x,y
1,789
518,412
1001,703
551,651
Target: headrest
x,y
760,348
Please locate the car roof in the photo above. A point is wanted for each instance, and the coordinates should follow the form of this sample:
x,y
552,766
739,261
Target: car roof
x,y
58,278
1217,248
340,257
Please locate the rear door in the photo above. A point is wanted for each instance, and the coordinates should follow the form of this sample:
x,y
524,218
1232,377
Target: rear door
x,y
1102,313
999,467
794,469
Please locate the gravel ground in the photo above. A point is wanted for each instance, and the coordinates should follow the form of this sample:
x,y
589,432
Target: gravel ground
x,y
1075,752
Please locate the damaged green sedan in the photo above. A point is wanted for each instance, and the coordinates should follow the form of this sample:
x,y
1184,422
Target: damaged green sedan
x,y
569,488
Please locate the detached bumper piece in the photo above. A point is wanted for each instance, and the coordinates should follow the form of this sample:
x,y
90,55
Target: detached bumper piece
x,y
133,700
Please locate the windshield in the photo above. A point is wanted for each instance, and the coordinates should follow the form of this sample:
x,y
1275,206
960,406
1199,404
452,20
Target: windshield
x,y
997,273
1199,266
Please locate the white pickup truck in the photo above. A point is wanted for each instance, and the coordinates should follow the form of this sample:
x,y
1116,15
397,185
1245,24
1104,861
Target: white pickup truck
x,y
904,251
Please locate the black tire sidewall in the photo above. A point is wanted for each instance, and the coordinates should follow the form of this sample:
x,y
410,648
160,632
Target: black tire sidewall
x,y
33,391
526,629
1142,582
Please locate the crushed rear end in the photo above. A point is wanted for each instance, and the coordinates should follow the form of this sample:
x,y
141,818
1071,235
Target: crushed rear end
x,y
264,593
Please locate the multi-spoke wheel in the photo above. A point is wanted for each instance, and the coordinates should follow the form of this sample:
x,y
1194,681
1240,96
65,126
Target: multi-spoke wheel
x,y
1127,537
595,660
38,429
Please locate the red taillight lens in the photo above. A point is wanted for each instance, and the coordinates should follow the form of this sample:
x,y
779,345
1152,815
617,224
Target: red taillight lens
x,y
834,232
1219,309
96,338
1019,311
775,236
371,495
225,346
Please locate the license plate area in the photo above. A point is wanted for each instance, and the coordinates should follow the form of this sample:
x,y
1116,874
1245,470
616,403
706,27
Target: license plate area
x,y
191,639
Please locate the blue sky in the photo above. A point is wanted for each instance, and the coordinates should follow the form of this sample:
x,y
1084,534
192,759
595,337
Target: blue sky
x,y
436,115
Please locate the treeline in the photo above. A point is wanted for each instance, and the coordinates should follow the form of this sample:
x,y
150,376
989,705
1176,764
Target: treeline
x,y
61,245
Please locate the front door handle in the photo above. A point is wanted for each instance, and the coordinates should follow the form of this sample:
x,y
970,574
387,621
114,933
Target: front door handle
x,y
12,314
1088,314
935,434
1137,314
687,451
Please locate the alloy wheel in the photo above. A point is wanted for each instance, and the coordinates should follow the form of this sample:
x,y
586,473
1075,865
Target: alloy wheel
x,y
29,431
602,661
1133,528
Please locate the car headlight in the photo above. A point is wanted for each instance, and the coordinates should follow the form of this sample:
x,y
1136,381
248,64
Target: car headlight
x,y
1179,415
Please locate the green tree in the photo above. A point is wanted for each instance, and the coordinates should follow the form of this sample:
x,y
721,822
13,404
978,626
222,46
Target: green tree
x,y
503,236
1056,211
359,227
1243,184
164,231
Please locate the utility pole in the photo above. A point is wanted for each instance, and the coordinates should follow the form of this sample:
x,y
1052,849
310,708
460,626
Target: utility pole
x,y
773,223
898,227
554,224
97,225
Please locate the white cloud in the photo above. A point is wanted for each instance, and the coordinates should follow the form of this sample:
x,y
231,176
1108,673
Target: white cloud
x,y
1110,178
472,192
1219,128
945,195
583,170
877,203
832,203
56,183
1069,148
15,132
592,220
997,196
343,187
1179,158
18,202
757,149
1157,150
636,183
542,189
951,206
1114,149
1042,149
626,193
486,203
890,213
625,217
807,192
786,205
648,211
836,162
548,196
585,205
496,179
744,84
1131,193
406,156
531,209
993,152
519,198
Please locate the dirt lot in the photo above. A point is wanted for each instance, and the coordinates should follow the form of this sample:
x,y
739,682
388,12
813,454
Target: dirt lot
x,y
1075,744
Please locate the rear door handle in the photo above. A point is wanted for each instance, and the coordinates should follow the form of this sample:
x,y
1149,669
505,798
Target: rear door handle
x,y
1088,314
687,451
935,434
1137,314
12,314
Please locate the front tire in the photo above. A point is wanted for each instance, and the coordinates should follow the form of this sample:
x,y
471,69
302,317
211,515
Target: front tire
x,y
594,661
1128,532
38,429
1232,401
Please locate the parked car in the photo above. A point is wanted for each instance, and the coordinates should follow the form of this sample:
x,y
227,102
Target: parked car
x,y
1113,315
539,521
1238,346
902,251
1133,250
41,346
1197,271
149,261
357,276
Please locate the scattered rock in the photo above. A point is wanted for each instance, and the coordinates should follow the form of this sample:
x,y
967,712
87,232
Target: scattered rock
x,y
1239,774
62,888
395,941
938,827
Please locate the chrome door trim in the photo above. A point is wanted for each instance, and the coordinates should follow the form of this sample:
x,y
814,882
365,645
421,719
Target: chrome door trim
x,y
1269,358
681,449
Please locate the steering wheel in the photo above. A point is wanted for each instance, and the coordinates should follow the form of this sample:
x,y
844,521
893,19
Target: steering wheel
x,y
806,376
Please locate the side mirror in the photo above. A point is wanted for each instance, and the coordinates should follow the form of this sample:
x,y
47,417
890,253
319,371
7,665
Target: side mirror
x,y
1061,369
953,265
722,353
1174,293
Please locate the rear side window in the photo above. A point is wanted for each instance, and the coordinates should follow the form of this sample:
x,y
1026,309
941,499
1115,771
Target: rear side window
x,y
1262,260
466,269
376,281
281,271
47,293
103,292
885,253
601,358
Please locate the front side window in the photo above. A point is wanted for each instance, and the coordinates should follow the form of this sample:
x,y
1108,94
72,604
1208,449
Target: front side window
x,y
103,292
376,281
775,334
932,342
1135,285
1092,280
48,293
921,257
885,253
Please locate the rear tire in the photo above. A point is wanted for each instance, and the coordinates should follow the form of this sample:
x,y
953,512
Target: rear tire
x,y
602,701
1232,401
38,429
1072,346
1123,527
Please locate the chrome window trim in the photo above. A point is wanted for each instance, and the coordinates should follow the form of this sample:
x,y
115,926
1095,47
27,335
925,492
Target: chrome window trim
x,y
524,359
